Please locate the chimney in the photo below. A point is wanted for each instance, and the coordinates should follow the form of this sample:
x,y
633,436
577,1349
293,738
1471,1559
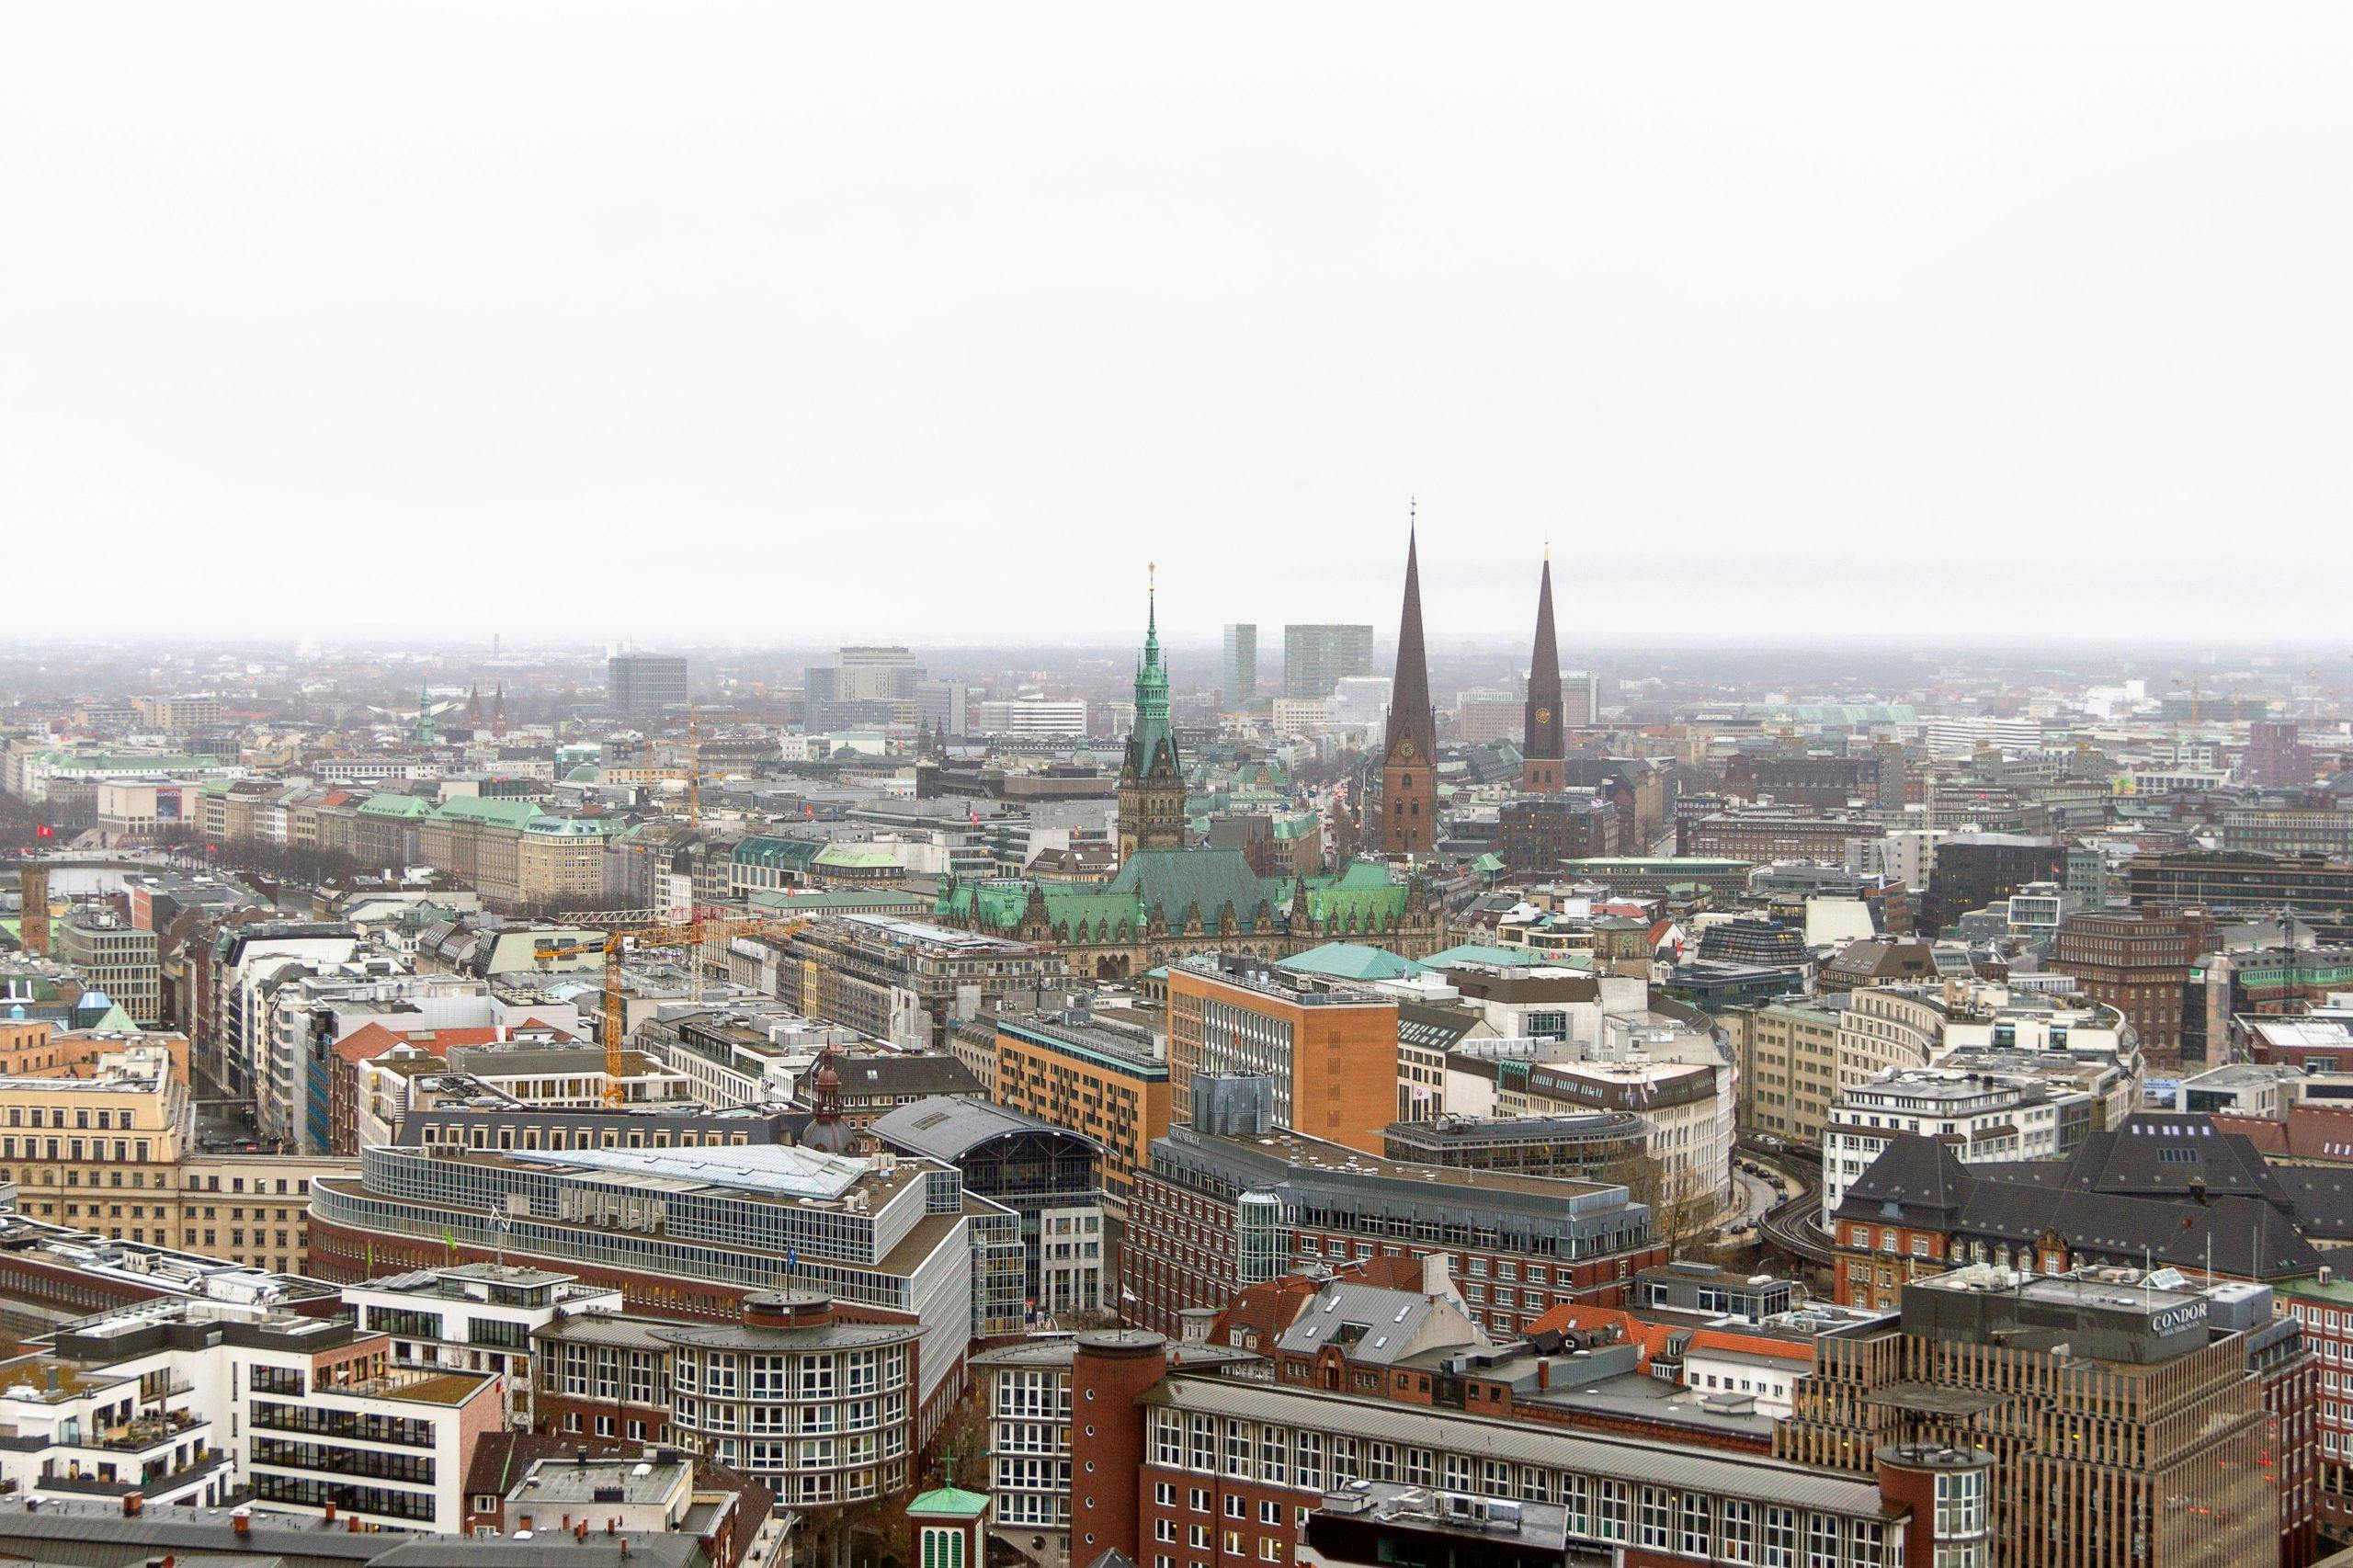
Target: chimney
x,y
241,1519
132,1504
330,1513
1544,1373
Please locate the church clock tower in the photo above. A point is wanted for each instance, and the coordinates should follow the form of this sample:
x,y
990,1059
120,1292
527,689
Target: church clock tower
x,y
1540,744
1152,784
1409,762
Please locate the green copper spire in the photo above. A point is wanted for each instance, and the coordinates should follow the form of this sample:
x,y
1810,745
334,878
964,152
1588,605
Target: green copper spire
x,y
1152,733
1152,614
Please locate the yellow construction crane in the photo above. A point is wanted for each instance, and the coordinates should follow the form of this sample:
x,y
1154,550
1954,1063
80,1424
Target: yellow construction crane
x,y
687,934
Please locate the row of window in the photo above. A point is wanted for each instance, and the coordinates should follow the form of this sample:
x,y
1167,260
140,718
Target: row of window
x,y
1598,1508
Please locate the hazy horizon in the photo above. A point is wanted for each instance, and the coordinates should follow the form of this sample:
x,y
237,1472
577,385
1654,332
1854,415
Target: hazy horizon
x,y
782,326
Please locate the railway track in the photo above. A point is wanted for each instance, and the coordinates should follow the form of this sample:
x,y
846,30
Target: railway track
x,y
1792,1226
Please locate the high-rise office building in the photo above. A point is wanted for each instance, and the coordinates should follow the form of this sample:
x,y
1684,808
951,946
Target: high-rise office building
x,y
639,681
2105,1415
875,675
1238,672
1316,658
864,686
940,705
1580,698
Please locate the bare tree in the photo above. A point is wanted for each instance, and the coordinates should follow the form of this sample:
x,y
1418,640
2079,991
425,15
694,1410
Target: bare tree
x,y
1684,1205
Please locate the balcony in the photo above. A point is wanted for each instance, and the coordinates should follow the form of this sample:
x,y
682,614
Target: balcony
x,y
158,1429
73,1480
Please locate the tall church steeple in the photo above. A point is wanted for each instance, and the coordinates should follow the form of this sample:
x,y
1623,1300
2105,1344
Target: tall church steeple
x,y
1152,781
1409,765
1541,748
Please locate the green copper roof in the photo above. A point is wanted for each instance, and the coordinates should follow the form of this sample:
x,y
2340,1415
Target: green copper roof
x,y
952,1500
761,850
1356,876
409,806
1152,737
490,810
1069,906
112,762
1488,862
995,907
573,827
845,898
1506,958
1210,880
1351,961
854,856
1347,909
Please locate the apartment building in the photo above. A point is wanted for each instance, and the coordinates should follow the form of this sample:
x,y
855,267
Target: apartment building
x,y
475,1318
196,1402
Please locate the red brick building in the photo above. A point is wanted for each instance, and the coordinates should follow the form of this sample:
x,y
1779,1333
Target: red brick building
x,y
2139,965
1215,1213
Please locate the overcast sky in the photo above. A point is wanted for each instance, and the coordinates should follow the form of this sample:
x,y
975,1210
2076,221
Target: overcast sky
x,y
769,322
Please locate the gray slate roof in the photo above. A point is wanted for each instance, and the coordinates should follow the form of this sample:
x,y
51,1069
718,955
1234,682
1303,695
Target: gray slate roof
x,y
1371,1324
950,1126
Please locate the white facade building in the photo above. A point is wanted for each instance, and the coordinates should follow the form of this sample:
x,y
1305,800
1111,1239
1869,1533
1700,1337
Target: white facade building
x,y
1030,716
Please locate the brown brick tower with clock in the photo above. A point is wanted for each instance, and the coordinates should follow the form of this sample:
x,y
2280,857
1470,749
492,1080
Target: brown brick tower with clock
x,y
1409,766
1541,751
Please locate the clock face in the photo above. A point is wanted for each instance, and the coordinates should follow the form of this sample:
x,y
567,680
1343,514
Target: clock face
x,y
1405,750
1544,715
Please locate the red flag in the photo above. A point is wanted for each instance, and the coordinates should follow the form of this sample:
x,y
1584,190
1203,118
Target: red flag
x,y
44,831
812,812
